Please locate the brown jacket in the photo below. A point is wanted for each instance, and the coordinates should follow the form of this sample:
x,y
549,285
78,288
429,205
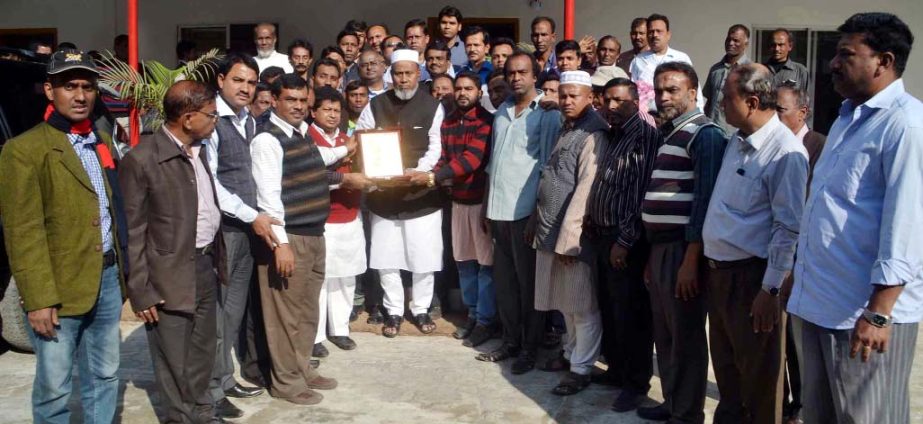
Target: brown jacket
x,y
161,204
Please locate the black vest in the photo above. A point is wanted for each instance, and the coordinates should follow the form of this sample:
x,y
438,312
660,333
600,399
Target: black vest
x,y
234,167
414,117
305,191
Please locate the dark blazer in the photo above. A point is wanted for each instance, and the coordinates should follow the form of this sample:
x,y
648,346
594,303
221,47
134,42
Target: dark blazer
x,y
161,203
51,221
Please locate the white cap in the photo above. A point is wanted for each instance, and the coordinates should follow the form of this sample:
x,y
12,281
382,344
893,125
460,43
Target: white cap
x,y
576,77
405,54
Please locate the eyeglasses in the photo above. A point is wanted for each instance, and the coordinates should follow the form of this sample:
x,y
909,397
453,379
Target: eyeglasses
x,y
214,115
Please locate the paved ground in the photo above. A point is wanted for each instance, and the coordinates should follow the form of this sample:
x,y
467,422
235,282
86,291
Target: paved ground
x,y
407,380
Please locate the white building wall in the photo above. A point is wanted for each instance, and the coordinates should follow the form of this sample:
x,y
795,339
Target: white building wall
x,y
698,27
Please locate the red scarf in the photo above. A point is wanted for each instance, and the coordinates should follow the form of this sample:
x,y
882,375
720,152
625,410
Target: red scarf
x,y
83,129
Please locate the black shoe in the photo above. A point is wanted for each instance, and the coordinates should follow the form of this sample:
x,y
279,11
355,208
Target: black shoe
x,y
314,363
479,335
607,378
654,413
342,342
243,392
354,315
375,317
225,409
320,351
524,363
462,332
627,401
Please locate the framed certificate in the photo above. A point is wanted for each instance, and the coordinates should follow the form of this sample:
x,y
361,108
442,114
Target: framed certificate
x,y
381,153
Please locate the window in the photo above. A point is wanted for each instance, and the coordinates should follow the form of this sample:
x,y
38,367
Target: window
x,y
814,48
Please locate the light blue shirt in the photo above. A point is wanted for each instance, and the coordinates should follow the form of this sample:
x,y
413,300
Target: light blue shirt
x,y
521,146
863,219
85,147
756,207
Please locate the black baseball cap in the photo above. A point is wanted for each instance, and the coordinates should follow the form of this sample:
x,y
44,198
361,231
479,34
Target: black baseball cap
x,y
69,59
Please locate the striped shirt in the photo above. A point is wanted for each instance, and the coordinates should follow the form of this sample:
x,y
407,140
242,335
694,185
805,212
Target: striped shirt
x,y
622,179
85,147
465,151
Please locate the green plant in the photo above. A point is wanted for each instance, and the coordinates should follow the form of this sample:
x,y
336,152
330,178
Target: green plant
x,y
146,91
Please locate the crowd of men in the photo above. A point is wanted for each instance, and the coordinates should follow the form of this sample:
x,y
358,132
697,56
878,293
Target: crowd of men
x,y
613,194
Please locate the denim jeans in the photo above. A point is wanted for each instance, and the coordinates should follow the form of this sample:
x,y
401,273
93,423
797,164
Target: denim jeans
x,y
93,340
477,287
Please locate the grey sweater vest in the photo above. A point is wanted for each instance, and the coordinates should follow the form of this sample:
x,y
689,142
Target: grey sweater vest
x,y
234,167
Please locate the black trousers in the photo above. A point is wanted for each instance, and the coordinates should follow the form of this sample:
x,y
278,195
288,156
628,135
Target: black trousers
x,y
514,280
791,397
183,351
252,348
625,306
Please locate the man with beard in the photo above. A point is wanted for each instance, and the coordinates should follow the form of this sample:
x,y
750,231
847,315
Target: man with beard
x,y
621,247
264,35
375,35
407,221
465,151
543,38
735,48
300,55
780,63
673,212
523,137
371,69
638,37
450,26
564,279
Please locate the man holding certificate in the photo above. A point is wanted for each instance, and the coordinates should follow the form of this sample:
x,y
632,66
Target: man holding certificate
x,y
406,220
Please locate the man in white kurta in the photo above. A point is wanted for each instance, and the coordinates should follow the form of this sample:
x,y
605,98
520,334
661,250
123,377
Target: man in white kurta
x,y
564,278
407,221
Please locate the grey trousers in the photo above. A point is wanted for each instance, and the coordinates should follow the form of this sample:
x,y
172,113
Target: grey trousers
x,y
679,334
844,390
232,303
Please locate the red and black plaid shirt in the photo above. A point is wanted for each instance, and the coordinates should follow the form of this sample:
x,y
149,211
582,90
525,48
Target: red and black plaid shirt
x,y
465,150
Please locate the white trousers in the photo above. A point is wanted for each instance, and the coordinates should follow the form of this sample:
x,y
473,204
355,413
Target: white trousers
x,y
334,307
393,299
583,340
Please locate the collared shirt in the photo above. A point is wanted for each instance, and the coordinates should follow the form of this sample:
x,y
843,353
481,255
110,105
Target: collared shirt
x,y
208,217
267,153
642,71
230,203
624,60
862,219
274,59
622,178
458,53
521,146
789,71
756,206
717,75
483,72
551,65
85,147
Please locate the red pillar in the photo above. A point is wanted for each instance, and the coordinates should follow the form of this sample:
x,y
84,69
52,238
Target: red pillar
x,y
134,123
569,19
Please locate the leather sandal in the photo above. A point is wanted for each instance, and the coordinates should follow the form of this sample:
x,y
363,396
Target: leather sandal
x,y
425,323
571,384
392,326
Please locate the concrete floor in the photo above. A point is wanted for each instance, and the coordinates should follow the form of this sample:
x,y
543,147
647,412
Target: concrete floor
x,y
406,380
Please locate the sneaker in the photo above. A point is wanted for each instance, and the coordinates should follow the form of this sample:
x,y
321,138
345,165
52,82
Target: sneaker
x,y
320,351
479,335
464,331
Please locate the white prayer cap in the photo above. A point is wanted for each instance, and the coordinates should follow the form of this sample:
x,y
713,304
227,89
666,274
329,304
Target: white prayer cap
x,y
405,54
576,77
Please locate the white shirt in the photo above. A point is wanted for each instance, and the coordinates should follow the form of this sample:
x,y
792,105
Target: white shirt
x,y
229,203
274,59
266,154
643,66
434,150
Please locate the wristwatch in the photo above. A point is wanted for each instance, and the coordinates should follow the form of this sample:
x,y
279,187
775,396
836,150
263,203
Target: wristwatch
x,y
876,319
773,291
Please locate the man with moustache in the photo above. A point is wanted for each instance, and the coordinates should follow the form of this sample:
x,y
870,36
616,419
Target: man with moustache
x,y
644,64
564,279
544,38
735,48
407,221
783,68
621,247
174,248
673,213
856,301
477,44
326,73
264,36
293,187
638,37
524,134
242,226
301,55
